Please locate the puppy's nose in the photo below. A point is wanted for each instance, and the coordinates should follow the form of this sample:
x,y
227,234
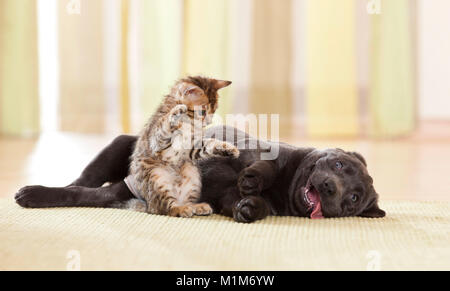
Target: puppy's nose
x,y
328,187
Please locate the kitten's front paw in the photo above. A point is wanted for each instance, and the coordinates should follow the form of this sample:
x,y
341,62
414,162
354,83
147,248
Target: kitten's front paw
x,y
203,209
226,149
176,115
185,211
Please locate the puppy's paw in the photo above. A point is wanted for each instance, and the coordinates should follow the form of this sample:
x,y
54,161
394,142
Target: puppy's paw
x,y
226,149
202,209
176,116
250,209
250,182
185,211
31,196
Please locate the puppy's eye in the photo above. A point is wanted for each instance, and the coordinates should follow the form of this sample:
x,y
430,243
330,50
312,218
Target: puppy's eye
x,y
338,165
354,198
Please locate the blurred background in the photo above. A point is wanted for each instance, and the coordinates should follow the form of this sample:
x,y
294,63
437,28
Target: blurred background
x,y
365,75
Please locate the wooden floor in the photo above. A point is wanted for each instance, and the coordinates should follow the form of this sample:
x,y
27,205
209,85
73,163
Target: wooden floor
x,y
412,169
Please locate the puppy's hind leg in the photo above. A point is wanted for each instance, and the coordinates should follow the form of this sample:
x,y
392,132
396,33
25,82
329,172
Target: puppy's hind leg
x,y
110,165
74,196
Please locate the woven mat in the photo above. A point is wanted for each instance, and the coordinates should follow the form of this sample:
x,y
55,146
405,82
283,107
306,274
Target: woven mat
x,y
414,235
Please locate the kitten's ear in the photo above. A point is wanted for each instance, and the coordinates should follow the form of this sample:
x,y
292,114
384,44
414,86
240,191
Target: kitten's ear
x,y
187,90
192,95
220,84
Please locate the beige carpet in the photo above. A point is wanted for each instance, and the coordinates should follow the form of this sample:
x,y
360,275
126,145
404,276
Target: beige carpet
x,y
412,236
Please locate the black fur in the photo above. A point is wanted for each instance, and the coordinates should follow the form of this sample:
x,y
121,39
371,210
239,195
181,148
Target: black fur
x,y
247,189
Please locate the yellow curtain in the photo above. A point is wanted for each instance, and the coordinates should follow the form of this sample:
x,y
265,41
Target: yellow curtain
x,y
270,89
161,34
206,43
332,103
392,102
19,110
124,72
82,98
187,37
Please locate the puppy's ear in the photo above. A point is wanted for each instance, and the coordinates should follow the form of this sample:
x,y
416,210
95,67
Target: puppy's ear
x,y
359,157
373,211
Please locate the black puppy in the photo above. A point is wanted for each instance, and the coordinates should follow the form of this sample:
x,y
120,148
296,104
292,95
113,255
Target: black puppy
x,y
303,182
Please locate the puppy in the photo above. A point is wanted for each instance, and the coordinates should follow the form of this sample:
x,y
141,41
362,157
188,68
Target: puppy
x,y
303,182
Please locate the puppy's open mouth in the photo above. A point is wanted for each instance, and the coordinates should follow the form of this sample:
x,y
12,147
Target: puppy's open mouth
x,y
312,199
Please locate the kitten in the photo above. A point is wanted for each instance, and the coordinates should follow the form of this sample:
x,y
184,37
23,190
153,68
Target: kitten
x,y
163,169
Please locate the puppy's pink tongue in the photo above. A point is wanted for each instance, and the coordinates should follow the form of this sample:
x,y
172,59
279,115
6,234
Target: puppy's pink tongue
x,y
315,199
317,211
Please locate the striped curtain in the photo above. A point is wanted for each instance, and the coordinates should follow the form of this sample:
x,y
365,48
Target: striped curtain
x,y
206,42
337,68
392,101
19,110
82,74
270,90
332,103
159,42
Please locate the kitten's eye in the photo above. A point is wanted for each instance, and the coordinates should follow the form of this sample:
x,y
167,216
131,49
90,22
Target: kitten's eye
x,y
338,165
354,198
201,113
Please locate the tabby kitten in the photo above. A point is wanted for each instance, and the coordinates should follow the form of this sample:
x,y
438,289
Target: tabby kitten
x,y
163,170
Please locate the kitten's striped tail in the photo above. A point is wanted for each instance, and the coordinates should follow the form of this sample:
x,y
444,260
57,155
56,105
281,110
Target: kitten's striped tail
x,y
132,204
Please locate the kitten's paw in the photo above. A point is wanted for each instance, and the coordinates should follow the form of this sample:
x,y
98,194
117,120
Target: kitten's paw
x,y
176,115
250,182
203,209
250,209
226,149
185,211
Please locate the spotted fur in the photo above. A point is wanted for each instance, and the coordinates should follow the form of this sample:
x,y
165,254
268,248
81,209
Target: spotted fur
x,y
163,165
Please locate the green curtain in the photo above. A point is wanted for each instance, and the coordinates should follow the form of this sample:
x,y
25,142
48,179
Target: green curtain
x,y
19,96
392,101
